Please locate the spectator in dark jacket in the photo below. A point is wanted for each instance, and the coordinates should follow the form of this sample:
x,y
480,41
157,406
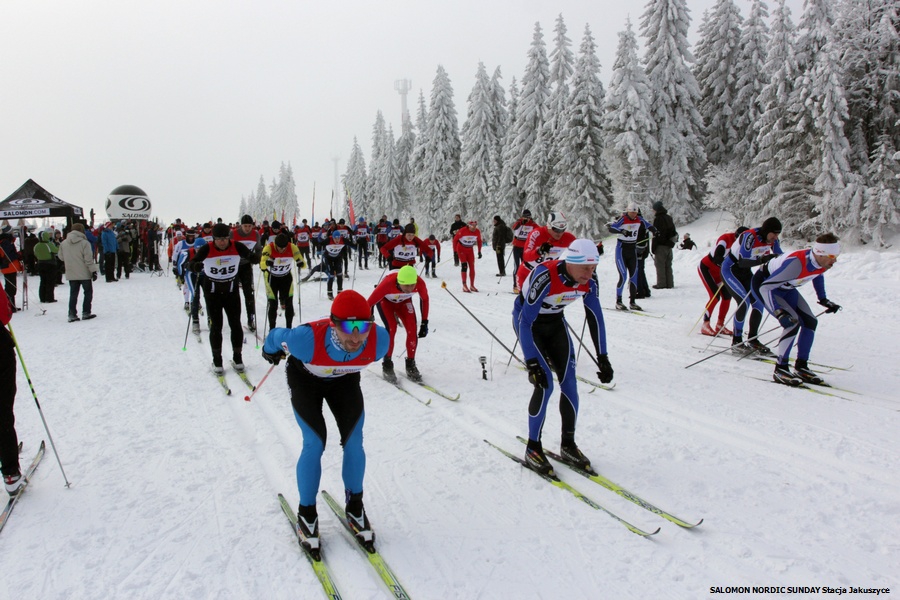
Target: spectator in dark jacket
x,y
501,236
687,243
662,246
454,227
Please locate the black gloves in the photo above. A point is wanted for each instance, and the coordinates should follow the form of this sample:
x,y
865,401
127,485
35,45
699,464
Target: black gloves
x,y
766,258
831,306
270,263
196,267
606,371
786,319
300,263
544,250
273,359
94,276
479,255
423,328
536,374
421,259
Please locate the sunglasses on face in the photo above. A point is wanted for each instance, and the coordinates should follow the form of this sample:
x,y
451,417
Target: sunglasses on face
x,y
349,325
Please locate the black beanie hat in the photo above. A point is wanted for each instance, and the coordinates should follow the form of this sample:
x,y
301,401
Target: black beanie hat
x,y
282,240
246,220
221,230
770,225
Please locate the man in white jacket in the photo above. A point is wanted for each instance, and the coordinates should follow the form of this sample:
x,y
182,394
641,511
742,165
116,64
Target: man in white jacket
x,y
81,271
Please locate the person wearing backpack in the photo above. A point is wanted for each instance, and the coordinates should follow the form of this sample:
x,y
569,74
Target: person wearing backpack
x,y
501,236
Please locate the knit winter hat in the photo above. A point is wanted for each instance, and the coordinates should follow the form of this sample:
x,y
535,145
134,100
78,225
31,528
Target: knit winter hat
x,y
349,305
246,220
658,206
221,230
407,275
770,225
78,227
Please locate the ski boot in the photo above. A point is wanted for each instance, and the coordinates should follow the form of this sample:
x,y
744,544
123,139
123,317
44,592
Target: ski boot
x,y
472,287
720,327
358,521
759,347
14,483
195,326
634,306
387,369
801,370
251,323
308,526
572,455
707,329
784,376
620,305
465,287
412,371
536,460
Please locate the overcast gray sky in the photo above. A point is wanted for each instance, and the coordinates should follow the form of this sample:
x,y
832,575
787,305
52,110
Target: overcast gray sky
x,y
193,100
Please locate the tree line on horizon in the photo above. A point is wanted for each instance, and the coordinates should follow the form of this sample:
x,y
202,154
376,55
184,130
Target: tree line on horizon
x,y
764,118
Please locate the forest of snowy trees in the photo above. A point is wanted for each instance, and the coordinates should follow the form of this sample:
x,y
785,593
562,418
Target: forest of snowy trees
x,y
764,118
278,201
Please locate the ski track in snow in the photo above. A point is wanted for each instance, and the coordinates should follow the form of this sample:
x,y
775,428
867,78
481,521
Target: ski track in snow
x,y
174,483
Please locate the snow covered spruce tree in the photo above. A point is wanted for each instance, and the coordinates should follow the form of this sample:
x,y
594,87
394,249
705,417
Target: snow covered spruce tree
x,y
507,200
264,207
870,47
388,178
778,174
628,126
582,186
354,181
526,159
283,196
716,65
440,163
479,165
679,162
417,160
373,185
403,151
562,62
833,200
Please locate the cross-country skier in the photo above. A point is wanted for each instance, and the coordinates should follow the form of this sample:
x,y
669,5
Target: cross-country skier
x,y
277,262
326,357
544,243
710,270
247,235
219,263
541,326
9,442
393,299
465,243
627,227
751,249
775,285
401,250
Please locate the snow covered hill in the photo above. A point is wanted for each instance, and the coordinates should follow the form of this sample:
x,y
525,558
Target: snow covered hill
x,y
174,484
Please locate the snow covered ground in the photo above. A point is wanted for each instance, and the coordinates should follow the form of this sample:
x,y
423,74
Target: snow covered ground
x,y
174,484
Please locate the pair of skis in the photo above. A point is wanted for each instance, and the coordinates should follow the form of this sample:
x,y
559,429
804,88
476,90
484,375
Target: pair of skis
x,y
317,560
604,482
220,377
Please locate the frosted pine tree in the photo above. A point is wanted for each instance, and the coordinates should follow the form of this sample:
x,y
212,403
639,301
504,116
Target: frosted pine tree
x,y
373,186
499,126
242,209
284,195
441,160
582,185
525,160
751,78
679,162
716,72
355,181
388,179
529,153
628,126
417,201
507,200
881,212
562,62
403,152
478,168
820,100
253,209
263,202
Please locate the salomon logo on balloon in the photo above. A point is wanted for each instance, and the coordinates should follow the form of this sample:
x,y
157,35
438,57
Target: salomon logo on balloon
x,y
128,202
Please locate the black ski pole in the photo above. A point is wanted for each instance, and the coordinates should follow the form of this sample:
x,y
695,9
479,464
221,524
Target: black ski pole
x,y
38,404
452,295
